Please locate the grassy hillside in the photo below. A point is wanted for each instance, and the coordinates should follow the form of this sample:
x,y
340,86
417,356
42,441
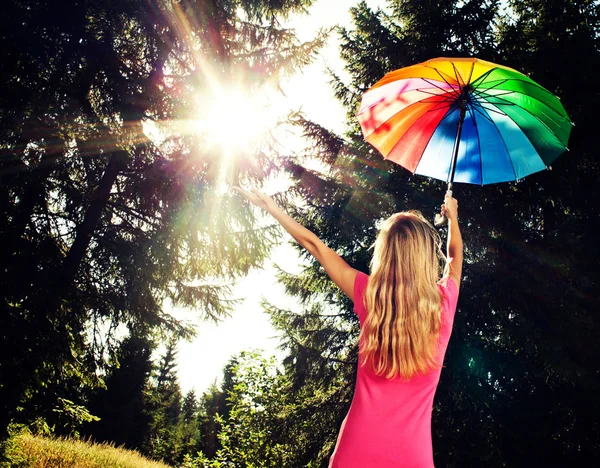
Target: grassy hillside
x,y
26,450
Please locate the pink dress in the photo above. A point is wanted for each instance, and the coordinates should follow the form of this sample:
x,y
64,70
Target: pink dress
x,y
389,422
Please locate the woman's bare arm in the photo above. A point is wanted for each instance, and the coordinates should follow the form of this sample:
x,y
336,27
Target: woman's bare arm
x,y
455,243
338,270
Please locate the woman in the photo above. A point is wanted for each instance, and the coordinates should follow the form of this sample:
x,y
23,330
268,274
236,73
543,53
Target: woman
x,y
406,314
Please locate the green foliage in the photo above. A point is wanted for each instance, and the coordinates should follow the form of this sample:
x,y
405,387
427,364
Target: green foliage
x,y
214,408
248,432
102,225
518,388
72,416
188,428
164,402
268,423
122,405
247,437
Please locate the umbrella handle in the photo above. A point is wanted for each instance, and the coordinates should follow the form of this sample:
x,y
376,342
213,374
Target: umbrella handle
x,y
440,220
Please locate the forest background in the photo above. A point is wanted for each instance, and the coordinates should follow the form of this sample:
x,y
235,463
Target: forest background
x,y
102,226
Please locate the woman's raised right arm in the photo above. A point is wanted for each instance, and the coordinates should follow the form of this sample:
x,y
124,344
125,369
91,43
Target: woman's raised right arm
x,y
342,274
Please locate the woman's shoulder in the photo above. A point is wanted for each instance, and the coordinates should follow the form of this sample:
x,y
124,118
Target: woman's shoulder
x,y
361,277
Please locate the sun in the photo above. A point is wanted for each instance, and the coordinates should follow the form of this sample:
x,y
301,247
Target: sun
x,y
234,119
231,124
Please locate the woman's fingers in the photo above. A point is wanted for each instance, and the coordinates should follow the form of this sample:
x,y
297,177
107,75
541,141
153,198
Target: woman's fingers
x,y
254,196
249,196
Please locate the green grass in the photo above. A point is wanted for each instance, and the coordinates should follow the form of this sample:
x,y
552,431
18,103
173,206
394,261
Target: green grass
x,y
25,450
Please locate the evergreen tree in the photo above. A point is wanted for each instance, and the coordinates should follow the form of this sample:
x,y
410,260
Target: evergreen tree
x,y
519,380
212,403
100,224
214,410
122,405
165,408
188,431
248,435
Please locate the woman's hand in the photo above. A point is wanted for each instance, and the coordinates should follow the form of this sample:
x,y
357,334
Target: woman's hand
x,y
259,199
450,207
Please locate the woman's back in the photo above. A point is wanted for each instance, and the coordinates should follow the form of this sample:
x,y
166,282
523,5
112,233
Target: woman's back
x,y
389,422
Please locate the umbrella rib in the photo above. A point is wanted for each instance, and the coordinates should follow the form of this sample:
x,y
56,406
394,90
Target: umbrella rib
x,y
437,86
487,98
431,101
448,104
496,127
478,92
509,103
429,92
483,114
446,81
471,72
456,75
483,77
529,82
542,122
497,111
543,102
505,102
485,94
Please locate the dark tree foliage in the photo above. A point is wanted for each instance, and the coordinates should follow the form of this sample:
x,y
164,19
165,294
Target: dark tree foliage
x,y
520,383
123,406
142,406
101,225
165,409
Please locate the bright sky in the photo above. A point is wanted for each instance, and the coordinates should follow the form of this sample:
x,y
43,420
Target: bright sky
x,y
201,362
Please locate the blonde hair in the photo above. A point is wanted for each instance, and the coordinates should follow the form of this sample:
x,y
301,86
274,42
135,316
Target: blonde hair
x,y
400,333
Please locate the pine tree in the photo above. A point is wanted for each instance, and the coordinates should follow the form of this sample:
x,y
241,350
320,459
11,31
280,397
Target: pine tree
x,y
518,385
249,434
188,431
214,410
165,408
101,225
122,405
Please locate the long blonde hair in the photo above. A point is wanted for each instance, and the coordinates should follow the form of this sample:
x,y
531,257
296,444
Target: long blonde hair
x,y
400,333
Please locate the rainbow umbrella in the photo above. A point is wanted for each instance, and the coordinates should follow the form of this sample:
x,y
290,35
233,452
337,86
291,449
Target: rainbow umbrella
x,y
464,120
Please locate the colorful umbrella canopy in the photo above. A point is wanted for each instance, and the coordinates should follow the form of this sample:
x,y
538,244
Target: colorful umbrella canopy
x,y
464,120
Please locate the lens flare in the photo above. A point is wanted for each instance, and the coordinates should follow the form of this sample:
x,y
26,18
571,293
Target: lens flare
x,y
233,119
